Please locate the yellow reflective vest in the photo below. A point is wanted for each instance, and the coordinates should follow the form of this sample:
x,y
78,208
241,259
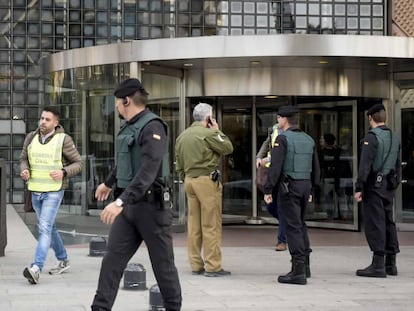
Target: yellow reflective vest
x,y
42,160
273,137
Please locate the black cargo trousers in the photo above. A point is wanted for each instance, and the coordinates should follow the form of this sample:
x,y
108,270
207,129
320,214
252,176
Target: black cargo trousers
x,y
145,221
293,207
379,225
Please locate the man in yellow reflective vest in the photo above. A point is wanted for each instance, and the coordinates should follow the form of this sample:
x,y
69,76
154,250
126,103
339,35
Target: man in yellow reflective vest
x,y
263,158
48,158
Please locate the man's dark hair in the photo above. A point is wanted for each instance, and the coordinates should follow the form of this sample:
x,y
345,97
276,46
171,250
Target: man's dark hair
x,y
329,138
139,98
379,116
293,120
52,109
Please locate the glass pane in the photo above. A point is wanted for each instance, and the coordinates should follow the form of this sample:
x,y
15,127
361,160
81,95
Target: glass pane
x,y
248,21
47,16
326,9
262,21
377,23
301,9
156,5
47,29
365,23
352,9
365,10
183,5
143,18
156,18
262,8
156,32
301,22
74,4
377,10
102,30
313,9
59,29
236,168
340,9
102,4
88,30
89,16
249,7
236,7
352,23
74,16
75,30
102,17
236,20
4,139
210,19
407,154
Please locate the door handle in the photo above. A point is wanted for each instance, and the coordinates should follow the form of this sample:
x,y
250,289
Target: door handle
x,y
177,181
403,164
404,181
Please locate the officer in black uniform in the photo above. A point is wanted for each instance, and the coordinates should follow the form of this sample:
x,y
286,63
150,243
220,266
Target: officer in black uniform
x,y
139,213
378,177
294,170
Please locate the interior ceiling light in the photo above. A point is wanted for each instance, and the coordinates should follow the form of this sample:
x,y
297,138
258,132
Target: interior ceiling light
x,y
323,62
255,62
382,64
188,65
271,96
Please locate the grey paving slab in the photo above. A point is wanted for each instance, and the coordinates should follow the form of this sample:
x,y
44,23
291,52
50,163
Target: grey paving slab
x,y
252,286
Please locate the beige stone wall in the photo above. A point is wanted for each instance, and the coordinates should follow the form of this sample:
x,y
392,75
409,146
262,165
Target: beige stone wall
x,y
403,18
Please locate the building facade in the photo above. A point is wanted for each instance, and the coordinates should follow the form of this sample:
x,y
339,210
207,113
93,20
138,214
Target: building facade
x,y
331,58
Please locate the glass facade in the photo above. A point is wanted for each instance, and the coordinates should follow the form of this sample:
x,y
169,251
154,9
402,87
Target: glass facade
x,y
31,30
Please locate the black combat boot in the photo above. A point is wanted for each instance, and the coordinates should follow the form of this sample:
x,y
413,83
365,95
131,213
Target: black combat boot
x,y
307,266
390,266
376,269
297,275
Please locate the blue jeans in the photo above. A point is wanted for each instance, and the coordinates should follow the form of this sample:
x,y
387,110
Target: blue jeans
x,y
46,206
273,210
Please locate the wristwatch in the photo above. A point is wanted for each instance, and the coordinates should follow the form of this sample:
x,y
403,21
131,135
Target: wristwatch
x,y
119,202
64,172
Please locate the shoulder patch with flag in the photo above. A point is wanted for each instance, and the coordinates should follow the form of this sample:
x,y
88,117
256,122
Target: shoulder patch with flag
x,y
366,143
156,136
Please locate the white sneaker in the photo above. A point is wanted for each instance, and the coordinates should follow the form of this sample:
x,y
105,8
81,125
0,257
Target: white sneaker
x,y
61,267
32,274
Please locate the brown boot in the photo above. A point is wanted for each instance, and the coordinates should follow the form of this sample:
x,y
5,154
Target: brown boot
x,y
280,247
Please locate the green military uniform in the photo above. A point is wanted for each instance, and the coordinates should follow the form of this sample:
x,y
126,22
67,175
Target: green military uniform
x,y
379,154
198,150
294,169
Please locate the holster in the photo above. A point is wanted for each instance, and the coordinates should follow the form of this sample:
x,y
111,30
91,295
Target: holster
x,y
284,186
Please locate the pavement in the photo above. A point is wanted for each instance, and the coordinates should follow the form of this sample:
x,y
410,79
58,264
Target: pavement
x,y
248,252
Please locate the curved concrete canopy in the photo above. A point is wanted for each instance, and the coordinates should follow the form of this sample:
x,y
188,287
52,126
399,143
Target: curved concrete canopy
x,y
291,50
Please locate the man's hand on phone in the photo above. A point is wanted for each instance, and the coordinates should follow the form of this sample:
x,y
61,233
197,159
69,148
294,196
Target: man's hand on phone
x,y
212,123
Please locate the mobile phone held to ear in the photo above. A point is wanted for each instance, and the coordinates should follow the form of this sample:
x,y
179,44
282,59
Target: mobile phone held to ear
x,y
209,122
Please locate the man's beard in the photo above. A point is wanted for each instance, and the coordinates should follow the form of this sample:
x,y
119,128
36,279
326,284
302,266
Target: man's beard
x,y
120,116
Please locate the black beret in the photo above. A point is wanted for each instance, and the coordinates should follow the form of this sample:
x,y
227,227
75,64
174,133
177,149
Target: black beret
x,y
374,109
129,87
287,111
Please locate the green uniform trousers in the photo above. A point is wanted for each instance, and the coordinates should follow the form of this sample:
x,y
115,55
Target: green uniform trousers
x,y
204,223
